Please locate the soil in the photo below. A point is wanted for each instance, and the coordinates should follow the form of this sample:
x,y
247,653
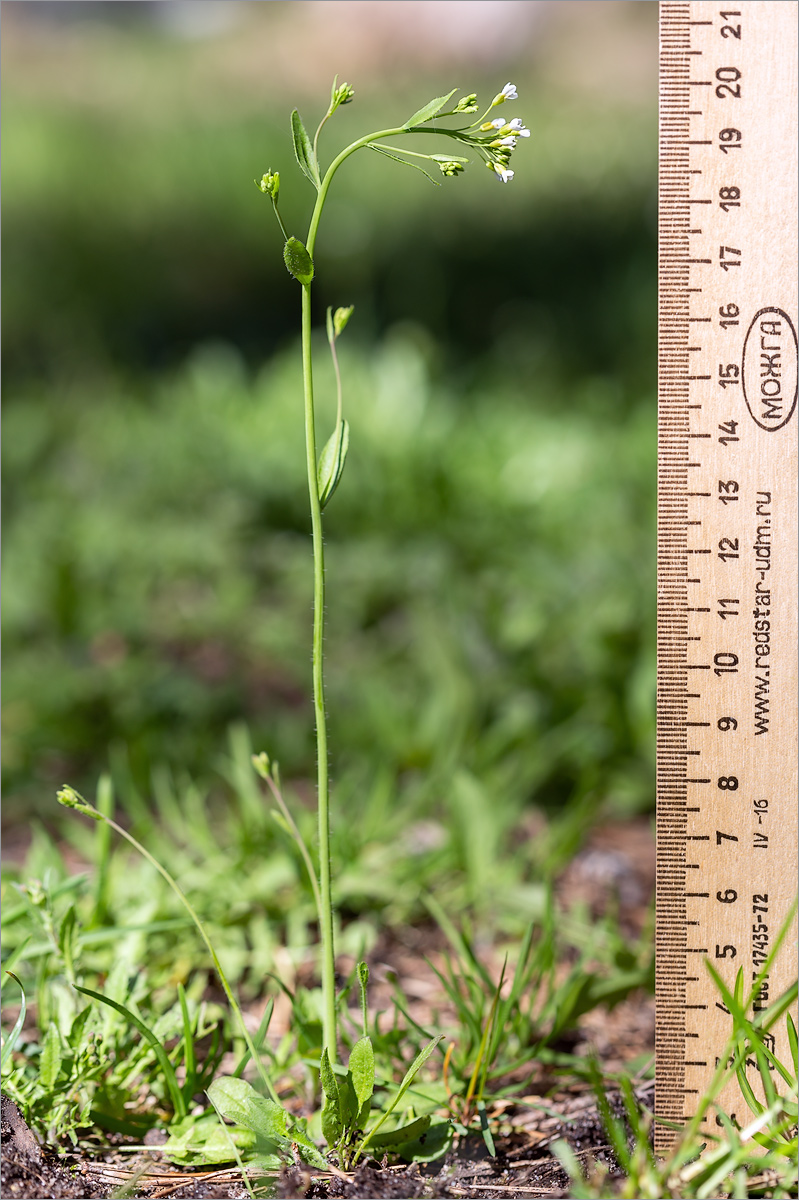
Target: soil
x,y
616,866
524,1166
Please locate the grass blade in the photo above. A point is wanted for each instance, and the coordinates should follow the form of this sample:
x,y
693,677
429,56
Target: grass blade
x,y
170,1078
10,1041
189,1057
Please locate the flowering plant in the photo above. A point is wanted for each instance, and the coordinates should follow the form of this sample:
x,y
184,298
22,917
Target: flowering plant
x,y
273,1132
493,140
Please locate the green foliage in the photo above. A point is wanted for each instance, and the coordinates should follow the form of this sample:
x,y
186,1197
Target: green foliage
x,y
492,626
275,1131
304,151
298,261
428,111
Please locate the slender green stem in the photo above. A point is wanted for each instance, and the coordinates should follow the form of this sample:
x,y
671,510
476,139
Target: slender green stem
x,y
323,785
329,1022
97,815
323,788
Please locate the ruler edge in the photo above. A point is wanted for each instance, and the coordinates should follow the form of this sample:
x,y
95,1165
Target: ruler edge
x,y
672,591
671,1068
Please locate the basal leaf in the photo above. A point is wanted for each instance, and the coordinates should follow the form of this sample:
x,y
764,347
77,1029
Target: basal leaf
x,y
396,1137
298,261
50,1061
331,462
308,1151
332,1126
202,1141
303,149
433,1143
429,110
408,1078
362,1068
239,1102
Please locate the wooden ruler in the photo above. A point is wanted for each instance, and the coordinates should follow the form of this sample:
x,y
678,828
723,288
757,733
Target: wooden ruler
x,y
727,536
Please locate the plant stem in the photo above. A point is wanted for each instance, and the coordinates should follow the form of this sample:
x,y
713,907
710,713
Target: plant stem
x,y
323,788
329,1021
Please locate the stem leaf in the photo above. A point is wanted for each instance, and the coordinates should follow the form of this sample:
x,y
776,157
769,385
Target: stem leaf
x,y
429,110
404,162
331,462
303,150
298,261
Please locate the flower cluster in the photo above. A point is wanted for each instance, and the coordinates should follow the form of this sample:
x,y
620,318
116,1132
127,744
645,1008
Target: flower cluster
x,y
493,139
501,136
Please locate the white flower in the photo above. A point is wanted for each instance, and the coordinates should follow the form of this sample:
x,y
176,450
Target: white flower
x,y
503,173
508,93
518,127
510,142
500,121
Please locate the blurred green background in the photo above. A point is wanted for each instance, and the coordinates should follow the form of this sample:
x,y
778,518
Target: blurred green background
x,y
491,547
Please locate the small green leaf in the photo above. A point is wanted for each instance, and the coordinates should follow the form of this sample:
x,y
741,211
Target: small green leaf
x,y
332,1127
68,940
203,1141
362,1066
298,261
308,1151
407,1133
50,1061
348,1106
429,110
405,163
331,462
239,1102
407,1080
303,150
430,1145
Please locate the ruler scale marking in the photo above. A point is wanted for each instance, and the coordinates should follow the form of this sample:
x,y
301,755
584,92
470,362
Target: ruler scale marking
x,y
727,281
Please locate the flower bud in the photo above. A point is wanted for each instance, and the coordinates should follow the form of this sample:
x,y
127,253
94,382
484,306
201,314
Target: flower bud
x,y
270,185
71,799
450,169
467,104
262,764
340,318
343,94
